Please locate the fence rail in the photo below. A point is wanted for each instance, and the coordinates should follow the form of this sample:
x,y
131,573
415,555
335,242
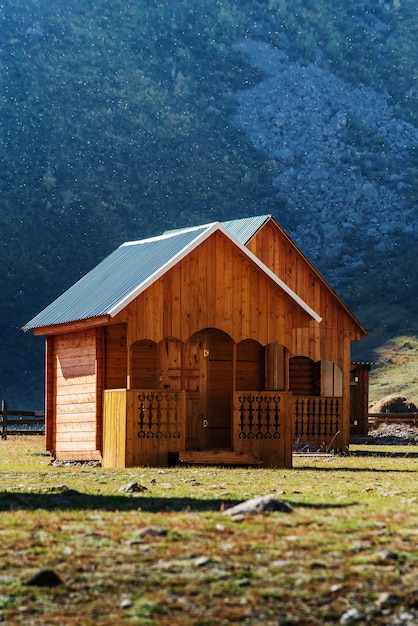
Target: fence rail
x,y
393,418
18,422
317,416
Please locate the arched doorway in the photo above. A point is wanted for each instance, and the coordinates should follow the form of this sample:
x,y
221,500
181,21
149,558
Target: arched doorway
x,y
209,387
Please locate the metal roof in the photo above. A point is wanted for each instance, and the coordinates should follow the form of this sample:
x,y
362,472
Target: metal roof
x,y
245,228
109,287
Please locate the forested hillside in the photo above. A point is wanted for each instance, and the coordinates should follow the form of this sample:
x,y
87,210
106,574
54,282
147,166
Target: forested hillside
x,y
121,119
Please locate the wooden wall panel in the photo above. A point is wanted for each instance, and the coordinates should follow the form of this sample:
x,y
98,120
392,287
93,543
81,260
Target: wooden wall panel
x,y
100,379
319,341
176,311
215,286
245,299
170,364
250,366
49,396
116,355
145,365
304,378
75,376
114,428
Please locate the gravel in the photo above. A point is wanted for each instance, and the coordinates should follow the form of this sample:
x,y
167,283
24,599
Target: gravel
x,y
395,435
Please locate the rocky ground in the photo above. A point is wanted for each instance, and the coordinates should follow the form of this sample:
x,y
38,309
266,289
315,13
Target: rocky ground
x,y
313,125
395,435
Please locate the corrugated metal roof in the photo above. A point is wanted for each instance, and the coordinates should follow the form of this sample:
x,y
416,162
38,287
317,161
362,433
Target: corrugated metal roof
x,y
245,228
123,275
111,282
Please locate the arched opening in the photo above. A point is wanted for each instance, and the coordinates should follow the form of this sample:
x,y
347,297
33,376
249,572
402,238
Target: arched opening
x,y
331,380
250,366
208,361
317,390
144,365
304,376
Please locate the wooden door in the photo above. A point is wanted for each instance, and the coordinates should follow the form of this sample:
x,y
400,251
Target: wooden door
x,y
194,367
219,390
208,372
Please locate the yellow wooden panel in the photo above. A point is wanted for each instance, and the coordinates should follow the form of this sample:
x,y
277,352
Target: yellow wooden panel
x,y
114,429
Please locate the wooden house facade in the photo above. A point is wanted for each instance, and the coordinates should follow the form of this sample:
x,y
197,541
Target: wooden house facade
x,y
219,343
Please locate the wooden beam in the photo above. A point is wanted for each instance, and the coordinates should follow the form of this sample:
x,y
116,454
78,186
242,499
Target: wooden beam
x,y
70,327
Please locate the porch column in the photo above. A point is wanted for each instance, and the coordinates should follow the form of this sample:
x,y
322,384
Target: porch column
x,y
129,367
277,369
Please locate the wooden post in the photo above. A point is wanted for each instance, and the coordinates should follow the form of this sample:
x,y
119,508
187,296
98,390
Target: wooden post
x,y
4,419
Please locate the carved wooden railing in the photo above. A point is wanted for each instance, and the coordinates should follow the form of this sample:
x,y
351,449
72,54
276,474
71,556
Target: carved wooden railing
x,y
316,417
259,415
160,414
142,426
262,426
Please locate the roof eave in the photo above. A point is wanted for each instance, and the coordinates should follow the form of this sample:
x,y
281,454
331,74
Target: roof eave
x,y
210,229
68,327
357,323
297,299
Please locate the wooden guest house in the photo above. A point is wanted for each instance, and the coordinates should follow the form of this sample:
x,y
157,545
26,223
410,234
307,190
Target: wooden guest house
x,y
219,343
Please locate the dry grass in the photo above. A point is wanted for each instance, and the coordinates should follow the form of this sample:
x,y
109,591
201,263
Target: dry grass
x,y
396,369
352,536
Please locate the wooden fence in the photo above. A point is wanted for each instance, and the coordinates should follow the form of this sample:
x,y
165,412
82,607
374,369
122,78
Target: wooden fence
x,y
20,422
393,418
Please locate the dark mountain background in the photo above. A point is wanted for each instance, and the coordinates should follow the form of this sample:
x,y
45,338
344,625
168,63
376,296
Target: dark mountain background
x,y
121,119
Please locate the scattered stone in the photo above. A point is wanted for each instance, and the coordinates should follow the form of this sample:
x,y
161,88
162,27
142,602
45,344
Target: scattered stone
x,y
132,487
387,600
69,492
394,435
202,560
281,564
388,555
45,578
56,463
152,531
59,488
412,599
126,603
300,116
352,616
153,481
261,504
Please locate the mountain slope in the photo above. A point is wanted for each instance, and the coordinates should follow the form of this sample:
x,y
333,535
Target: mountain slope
x,y
122,119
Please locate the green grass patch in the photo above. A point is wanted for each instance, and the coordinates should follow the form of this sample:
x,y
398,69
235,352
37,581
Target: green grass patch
x,y
351,537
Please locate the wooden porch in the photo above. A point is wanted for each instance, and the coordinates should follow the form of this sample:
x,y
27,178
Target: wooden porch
x,y
147,427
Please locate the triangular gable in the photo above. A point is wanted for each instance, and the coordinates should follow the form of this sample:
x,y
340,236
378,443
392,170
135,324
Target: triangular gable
x,y
244,230
115,282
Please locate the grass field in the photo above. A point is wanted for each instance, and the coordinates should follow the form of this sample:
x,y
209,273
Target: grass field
x,y
395,370
169,555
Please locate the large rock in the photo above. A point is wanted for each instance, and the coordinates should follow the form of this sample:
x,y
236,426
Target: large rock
x,y
258,505
393,403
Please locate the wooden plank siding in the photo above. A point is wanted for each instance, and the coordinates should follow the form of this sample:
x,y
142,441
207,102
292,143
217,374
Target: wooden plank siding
x,y
114,428
316,341
331,338
49,395
216,286
116,357
76,408
186,363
